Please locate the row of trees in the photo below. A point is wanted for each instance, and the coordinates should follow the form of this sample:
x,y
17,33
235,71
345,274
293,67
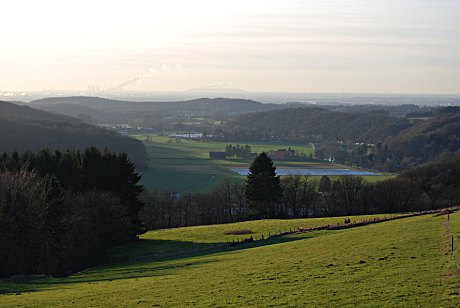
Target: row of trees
x,y
168,210
59,212
298,197
237,151
265,195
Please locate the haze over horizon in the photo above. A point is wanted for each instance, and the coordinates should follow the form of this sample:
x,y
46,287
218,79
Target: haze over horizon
x,y
351,46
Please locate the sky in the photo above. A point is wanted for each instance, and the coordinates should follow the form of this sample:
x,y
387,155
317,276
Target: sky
x,y
351,46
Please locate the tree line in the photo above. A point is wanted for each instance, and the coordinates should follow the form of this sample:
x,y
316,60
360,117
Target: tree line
x,y
266,195
237,151
60,212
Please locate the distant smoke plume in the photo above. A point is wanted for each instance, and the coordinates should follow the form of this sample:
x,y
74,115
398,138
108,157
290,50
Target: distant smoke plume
x,y
151,72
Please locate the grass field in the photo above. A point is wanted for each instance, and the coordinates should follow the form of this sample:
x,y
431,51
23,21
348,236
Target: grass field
x,y
189,239
186,167
405,262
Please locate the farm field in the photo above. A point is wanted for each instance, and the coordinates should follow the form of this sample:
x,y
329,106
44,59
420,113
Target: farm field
x,y
185,166
404,262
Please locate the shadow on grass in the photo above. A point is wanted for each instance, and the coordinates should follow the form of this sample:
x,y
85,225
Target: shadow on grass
x,y
169,258
150,258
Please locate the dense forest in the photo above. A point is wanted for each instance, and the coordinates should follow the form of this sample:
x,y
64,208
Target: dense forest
x,y
23,128
427,139
60,212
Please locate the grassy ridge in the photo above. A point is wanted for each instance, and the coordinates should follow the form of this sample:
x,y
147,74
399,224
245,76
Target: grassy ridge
x,y
396,263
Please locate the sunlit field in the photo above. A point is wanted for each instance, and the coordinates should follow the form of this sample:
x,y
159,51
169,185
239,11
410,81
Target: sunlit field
x,y
405,262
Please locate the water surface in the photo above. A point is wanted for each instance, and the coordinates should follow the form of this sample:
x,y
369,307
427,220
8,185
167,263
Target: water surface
x,y
311,171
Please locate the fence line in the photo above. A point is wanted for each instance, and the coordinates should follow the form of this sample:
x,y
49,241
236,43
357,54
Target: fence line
x,y
340,226
452,247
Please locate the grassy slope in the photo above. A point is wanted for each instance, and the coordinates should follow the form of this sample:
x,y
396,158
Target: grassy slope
x,y
396,263
190,239
452,230
186,166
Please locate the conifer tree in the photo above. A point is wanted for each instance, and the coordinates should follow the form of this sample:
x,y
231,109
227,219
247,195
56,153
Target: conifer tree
x,y
325,185
263,190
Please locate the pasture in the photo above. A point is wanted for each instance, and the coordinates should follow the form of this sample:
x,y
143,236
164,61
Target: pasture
x,y
185,166
404,262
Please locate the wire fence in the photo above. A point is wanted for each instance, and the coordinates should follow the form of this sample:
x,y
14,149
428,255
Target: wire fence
x,y
338,226
452,241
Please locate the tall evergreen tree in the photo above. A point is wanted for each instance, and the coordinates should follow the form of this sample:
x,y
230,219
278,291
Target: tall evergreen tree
x,y
263,189
325,185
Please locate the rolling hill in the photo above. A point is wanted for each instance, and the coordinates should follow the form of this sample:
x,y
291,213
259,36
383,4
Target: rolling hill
x,y
316,124
404,262
145,113
23,128
428,139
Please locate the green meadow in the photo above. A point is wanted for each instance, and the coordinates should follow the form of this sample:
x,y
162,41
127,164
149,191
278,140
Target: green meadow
x,y
190,239
405,262
185,166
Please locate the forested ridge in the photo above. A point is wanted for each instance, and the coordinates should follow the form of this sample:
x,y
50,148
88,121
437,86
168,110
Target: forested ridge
x,y
428,139
370,139
315,124
23,128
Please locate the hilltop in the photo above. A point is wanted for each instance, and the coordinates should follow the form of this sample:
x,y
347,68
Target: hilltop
x,y
146,113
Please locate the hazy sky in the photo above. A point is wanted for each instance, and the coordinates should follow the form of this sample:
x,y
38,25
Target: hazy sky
x,y
286,45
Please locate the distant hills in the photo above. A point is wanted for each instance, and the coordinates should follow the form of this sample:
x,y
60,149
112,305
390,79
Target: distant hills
x,y
405,141
106,111
428,139
23,128
317,124
410,134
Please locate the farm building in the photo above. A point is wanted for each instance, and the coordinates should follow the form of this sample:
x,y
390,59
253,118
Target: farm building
x,y
281,154
217,155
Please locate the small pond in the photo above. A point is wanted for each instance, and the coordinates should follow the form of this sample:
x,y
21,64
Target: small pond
x,y
311,171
